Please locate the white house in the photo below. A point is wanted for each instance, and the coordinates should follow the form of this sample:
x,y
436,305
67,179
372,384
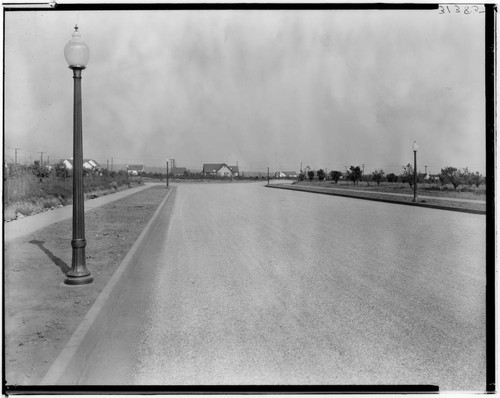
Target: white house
x,y
88,164
135,169
285,174
220,169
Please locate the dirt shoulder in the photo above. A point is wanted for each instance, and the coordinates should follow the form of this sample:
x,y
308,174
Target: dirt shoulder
x,y
439,202
40,312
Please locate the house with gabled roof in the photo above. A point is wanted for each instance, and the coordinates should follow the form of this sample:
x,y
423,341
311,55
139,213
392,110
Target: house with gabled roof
x,y
286,174
88,164
178,171
135,169
219,169
235,170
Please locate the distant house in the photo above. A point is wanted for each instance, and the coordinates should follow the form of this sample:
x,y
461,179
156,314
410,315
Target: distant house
x,y
235,170
219,169
178,171
135,169
88,164
285,174
432,177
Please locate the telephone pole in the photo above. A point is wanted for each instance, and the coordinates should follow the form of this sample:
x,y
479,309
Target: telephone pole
x,y
16,149
41,158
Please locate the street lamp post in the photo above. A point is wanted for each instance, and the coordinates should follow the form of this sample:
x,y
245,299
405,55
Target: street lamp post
x,y
167,175
415,148
267,174
76,53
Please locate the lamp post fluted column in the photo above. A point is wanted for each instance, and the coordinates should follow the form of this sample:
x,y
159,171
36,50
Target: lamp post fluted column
x,y
415,148
76,53
167,173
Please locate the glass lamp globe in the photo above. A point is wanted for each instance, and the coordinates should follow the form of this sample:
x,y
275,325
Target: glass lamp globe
x,y
415,146
76,51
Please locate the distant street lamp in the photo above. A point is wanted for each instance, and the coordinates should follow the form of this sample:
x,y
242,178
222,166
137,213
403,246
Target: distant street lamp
x,y
267,174
167,174
76,53
415,148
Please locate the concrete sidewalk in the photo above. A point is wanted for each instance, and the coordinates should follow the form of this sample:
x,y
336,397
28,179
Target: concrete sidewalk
x,y
24,226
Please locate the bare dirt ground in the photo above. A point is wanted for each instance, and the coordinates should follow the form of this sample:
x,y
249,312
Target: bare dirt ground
x,y
40,312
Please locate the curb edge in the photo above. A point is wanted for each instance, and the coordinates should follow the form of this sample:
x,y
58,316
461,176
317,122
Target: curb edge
x,y
72,360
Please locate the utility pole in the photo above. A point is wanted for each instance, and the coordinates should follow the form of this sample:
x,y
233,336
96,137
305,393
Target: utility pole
x,y
425,170
363,169
111,163
16,155
107,164
41,158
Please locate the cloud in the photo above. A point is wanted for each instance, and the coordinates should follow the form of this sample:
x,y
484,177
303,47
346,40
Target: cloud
x,y
330,87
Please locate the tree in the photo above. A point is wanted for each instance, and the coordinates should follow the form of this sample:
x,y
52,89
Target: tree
x,y
321,174
391,177
301,176
453,176
335,174
475,179
407,175
310,174
61,170
378,176
354,174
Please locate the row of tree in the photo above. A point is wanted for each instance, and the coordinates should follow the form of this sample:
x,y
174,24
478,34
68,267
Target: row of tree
x,y
448,175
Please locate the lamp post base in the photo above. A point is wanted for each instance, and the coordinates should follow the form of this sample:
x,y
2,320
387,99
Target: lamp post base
x,y
78,279
415,200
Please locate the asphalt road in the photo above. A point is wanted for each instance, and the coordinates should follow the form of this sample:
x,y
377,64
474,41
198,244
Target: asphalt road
x,y
248,285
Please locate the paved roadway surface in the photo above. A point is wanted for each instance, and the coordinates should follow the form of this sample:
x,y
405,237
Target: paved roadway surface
x,y
250,285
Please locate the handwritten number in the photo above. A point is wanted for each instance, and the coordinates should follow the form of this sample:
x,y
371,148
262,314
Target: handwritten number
x,y
466,9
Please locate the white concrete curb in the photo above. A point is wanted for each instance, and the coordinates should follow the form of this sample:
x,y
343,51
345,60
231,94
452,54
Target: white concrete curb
x,y
72,361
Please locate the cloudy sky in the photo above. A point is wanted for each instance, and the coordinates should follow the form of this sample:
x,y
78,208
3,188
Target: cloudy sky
x,y
325,88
